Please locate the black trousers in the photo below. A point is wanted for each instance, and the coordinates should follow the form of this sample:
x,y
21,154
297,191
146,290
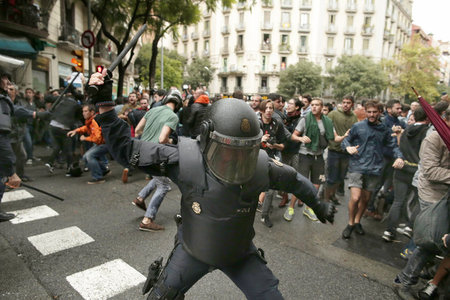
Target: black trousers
x,y
251,275
61,142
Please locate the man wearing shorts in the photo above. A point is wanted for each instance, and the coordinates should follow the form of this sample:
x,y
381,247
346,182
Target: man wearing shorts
x,y
365,144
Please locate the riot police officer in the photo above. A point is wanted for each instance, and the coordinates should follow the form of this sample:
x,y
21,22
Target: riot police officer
x,y
220,176
7,158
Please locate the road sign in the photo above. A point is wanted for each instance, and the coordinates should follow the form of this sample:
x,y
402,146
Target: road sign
x,y
88,39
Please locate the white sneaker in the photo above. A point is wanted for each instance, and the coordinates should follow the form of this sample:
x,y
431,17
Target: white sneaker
x,y
405,231
307,211
29,162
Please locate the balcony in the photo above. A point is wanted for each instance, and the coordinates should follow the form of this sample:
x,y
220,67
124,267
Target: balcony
x,y
330,52
239,49
103,55
226,10
266,3
206,53
224,89
224,51
348,51
236,70
285,27
351,8
266,47
22,20
331,29
286,4
367,30
284,49
263,90
369,9
69,35
184,37
333,7
366,52
266,26
304,28
223,69
238,88
350,30
225,30
302,50
386,34
194,35
206,33
240,27
206,14
241,5
399,44
305,5
194,54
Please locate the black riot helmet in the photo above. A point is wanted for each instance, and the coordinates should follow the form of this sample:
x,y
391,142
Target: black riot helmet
x,y
173,96
229,140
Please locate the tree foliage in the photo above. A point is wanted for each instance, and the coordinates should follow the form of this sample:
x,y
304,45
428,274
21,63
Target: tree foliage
x,y
358,76
301,78
417,65
199,72
173,67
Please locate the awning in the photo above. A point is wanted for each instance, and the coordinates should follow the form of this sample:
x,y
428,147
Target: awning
x,y
16,47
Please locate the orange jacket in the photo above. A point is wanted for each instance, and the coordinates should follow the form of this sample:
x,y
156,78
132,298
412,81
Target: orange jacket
x,y
93,131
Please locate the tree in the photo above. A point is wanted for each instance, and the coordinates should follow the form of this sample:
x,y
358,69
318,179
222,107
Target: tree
x,y
168,14
302,78
417,65
199,72
118,20
173,67
358,76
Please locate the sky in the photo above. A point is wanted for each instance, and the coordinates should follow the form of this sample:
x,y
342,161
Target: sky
x,y
433,16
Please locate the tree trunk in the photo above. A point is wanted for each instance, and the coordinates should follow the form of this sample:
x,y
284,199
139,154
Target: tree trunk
x,y
152,64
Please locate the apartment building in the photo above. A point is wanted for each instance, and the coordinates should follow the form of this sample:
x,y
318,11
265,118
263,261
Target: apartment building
x,y
43,35
250,43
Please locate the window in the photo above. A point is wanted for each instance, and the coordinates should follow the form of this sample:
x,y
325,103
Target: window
x,y
304,20
267,17
286,3
303,41
330,42
328,64
263,63
225,42
225,64
185,49
284,39
241,18
367,21
266,39
366,43
239,82
224,82
206,46
350,21
283,62
195,47
332,19
227,20
240,41
264,82
206,28
285,20
348,44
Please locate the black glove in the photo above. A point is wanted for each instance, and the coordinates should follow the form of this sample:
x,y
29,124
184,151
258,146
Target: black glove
x,y
447,240
43,115
102,96
324,211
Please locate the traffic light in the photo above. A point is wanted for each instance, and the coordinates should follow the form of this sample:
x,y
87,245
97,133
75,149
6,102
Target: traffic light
x,y
99,68
78,60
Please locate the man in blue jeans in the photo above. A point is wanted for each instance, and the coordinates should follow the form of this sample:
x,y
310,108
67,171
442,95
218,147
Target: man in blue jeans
x,y
156,126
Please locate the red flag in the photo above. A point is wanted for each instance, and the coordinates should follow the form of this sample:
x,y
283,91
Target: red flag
x,y
436,120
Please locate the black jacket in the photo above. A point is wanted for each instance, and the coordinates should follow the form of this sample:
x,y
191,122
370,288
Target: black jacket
x,y
197,113
67,112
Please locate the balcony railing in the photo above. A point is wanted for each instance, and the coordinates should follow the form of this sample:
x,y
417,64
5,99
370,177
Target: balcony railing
x,y
194,54
285,27
330,52
240,27
184,37
263,90
267,26
367,30
266,47
333,7
366,52
24,19
238,88
349,30
266,3
351,8
70,34
348,51
304,28
224,51
239,49
194,36
284,48
305,5
286,3
206,53
206,33
102,52
225,30
302,50
331,29
224,89
369,9
241,5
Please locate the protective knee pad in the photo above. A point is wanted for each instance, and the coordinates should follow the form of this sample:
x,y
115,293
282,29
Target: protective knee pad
x,y
163,292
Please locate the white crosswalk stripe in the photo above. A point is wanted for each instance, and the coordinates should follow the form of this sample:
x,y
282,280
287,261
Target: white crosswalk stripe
x,y
58,240
16,195
32,214
106,280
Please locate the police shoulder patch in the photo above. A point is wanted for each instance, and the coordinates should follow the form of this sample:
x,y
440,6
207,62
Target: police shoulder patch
x,y
277,162
196,208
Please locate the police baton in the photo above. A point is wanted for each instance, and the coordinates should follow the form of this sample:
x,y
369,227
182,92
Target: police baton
x,y
93,89
41,191
62,94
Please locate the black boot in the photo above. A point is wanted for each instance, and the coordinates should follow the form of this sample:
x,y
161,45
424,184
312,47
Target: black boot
x,y
6,216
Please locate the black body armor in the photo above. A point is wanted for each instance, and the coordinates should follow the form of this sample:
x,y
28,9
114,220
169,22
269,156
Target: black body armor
x,y
217,217
6,110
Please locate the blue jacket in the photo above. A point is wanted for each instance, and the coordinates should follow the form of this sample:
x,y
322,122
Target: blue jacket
x,y
371,138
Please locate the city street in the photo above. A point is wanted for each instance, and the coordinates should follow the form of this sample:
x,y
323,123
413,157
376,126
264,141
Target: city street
x,y
101,235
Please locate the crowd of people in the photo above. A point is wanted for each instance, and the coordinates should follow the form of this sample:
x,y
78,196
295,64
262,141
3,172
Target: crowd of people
x,y
393,161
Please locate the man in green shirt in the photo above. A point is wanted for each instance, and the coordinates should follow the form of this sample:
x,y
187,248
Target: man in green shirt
x,y
343,119
156,126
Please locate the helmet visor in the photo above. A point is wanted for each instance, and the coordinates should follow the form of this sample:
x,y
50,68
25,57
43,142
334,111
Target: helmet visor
x,y
231,163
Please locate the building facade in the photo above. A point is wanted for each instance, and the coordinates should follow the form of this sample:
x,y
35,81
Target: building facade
x,y
250,43
44,35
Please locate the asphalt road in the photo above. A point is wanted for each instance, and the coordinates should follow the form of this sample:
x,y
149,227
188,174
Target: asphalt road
x,y
310,259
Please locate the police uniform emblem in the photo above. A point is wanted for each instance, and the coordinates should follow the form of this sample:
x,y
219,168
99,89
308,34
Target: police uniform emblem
x,y
277,162
196,208
245,125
